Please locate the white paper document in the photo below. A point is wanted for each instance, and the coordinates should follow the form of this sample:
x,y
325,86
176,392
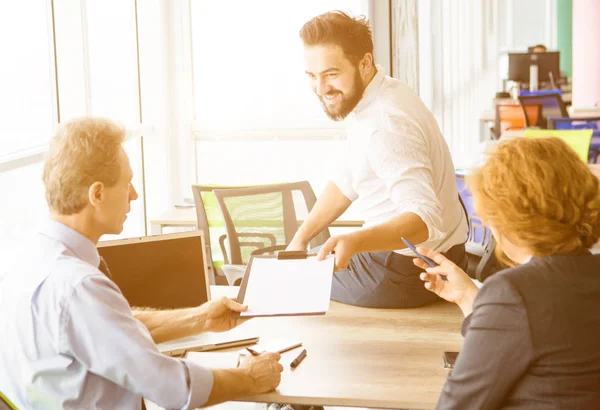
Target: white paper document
x,y
275,287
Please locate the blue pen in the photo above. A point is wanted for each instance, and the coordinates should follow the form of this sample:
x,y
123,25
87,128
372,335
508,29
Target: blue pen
x,y
423,257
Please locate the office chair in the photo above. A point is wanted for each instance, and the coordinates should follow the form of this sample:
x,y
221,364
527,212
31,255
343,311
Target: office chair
x,y
516,117
264,219
480,242
581,123
552,105
537,93
489,263
212,224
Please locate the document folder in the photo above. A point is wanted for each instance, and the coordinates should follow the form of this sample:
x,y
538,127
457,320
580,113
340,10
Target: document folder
x,y
286,287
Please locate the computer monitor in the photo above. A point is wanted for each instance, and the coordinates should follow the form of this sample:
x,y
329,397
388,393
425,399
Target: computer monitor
x,y
162,271
519,63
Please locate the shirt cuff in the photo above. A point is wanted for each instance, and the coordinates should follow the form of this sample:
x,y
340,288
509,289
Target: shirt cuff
x,y
201,384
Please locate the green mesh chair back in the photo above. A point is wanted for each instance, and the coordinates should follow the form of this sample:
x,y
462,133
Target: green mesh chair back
x,y
258,221
210,221
264,219
216,227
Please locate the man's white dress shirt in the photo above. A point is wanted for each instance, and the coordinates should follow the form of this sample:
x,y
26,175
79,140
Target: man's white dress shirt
x,y
70,340
399,162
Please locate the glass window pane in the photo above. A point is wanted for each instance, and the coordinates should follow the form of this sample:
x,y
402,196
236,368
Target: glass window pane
x,y
113,59
23,211
248,64
26,75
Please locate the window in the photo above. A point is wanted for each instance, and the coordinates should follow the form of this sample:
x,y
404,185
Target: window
x,y
27,113
113,74
248,65
522,25
94,46
113,85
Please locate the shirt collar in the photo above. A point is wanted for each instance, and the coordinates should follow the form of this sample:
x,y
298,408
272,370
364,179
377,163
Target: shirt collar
x,y
77,243
371,90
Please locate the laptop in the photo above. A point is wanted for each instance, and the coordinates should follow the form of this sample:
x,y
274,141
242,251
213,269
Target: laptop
x,y
162,271
204,342
166,272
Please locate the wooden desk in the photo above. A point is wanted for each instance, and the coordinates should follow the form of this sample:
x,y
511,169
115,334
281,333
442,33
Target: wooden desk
x,y
489,116
382,358
186,217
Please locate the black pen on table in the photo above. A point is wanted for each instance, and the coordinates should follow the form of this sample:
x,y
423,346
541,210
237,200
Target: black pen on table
x,y
298,359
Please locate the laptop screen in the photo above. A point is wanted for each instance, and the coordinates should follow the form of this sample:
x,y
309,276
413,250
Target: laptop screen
x,y
162,272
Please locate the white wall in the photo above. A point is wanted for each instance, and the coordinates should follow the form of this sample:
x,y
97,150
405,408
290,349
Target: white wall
x,y
586,58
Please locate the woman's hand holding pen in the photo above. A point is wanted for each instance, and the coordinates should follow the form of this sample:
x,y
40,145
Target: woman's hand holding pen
x,y
459,288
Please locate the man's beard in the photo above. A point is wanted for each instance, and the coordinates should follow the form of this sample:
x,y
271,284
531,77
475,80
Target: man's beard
x,y
347,102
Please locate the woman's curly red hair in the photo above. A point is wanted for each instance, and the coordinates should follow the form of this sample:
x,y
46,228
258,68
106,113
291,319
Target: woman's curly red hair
x,y
540,195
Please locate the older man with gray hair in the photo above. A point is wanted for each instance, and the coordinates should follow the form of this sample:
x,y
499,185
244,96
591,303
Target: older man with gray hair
x,y
71,340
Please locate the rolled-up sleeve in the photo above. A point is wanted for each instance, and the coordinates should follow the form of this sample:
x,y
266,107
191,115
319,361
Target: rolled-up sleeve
x,y
399,157
99,330
343,180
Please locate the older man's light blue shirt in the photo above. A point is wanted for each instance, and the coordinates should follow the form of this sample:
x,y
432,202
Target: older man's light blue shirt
x,y
70,340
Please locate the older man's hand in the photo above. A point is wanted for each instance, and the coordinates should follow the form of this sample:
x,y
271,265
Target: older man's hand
x,y
221,314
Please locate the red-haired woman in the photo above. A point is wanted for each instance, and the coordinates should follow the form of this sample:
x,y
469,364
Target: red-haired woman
x,y
532,332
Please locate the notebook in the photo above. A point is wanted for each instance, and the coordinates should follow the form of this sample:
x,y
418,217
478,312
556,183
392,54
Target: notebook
x,y
284,287
204,342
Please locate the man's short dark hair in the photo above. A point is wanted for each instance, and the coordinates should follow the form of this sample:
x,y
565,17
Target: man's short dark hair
x,y
352,34
530,49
